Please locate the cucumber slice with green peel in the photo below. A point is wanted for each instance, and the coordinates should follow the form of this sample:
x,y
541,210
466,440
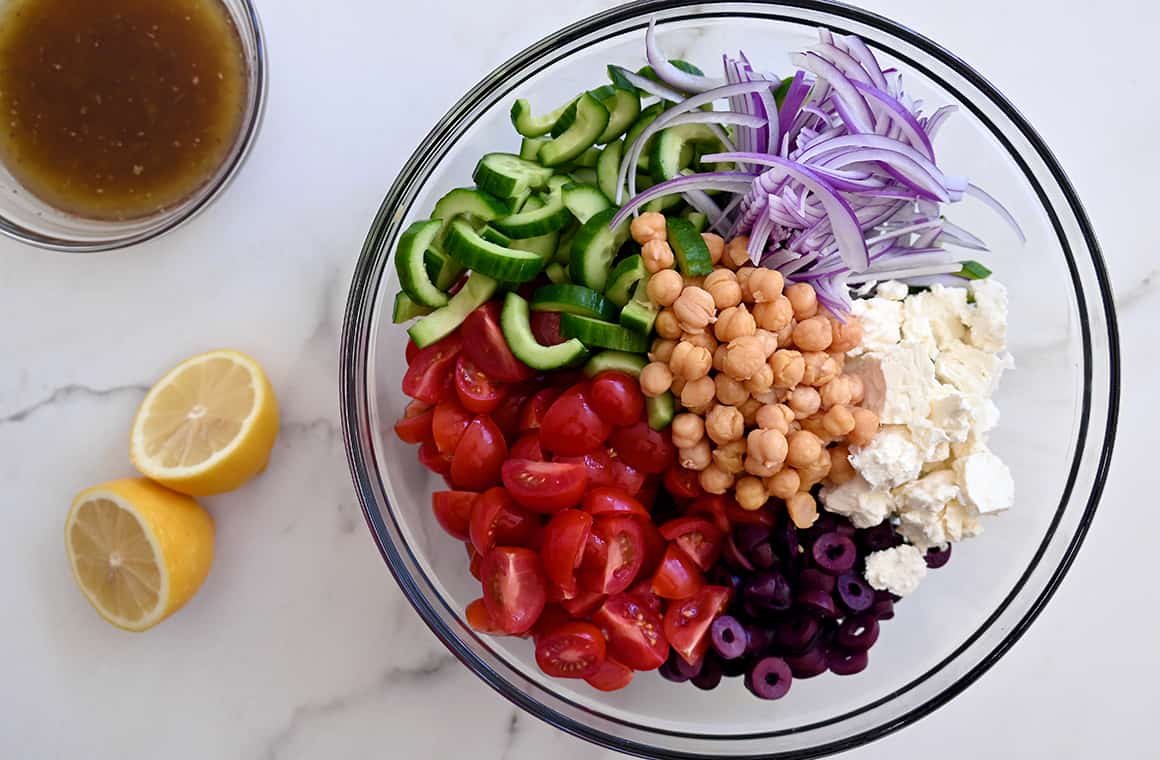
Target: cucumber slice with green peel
x,y
615,361
543,246
467,201
583,176
672,149
608,169
564,246
466,246
515,321
411,263
405,309
574,299
443,270
591,119
640,314
556,273
585,201
586,160
443,321
623,279
973,270
508,176
530,147
532,126
689,248
596,332
492,235
699,221
550,217
665,203
660,410
594,249
647,116
623,106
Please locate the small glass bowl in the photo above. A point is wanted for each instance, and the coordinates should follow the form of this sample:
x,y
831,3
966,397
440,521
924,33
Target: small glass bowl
x,y
26,218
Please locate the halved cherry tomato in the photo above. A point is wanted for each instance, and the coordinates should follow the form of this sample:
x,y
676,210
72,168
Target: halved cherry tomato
x,y
598,464
583,604
527,446
626,477
550,619
479,456
544,487
642,590
481,620
649,490
713,507
687,621
513,588
571,427
415,424
507,414
645,449
617,398
635,632
411,351
677,577
574,650
698,538
603,500
565,538
453,511
546,328
738,516
682,483
612,676
431,458
476,392
654,549
484,343
448,423
613,556
475,560
534,409
497,520
430,368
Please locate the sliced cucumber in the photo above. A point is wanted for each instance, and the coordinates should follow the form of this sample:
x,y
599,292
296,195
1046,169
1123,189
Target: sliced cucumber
x,y
615,361
973,270
591,119
624,278
543,246
411,263
564,247
509,176
647,116
442,322
442,269
550,217
623,106
585,201
586,160
672,149
640,314
583,176
466,246
608,169
405,309
556,273
689,248
699,221
665,203
574,299
471,202
661,410
492,235
530,147
595,332
517,331
594,248
531,126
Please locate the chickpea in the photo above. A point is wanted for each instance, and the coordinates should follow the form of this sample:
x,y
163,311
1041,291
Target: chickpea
x,y
716,245
734,322
839,361
724,424
759,469
722,285
784,483
804,401
703,339
662,350
773,315
804,449
841,471
745,357
785,335
766,285
719,358
768,447
803,299
667,325
837,392
737,252
730,391
648,226
678,385
788,368
820,368
715,480
743,275
657,256
816,472
857,389
730,457
748,409
847,336
696,457
698,393
816,424
865,427
664,287
813,334
772,417
769,397
695,309
761,382
768,341
750,493
687,430
689,361
803,510
655,379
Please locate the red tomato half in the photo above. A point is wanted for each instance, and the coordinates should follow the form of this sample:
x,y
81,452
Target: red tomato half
x,y
583,604
476,392
626,478
476,562
412,351
644,448
612,501
597,463
534,409
617,398
484,343
448,423
546,328
642,590
654,549
687,621
479,456
481,620
415,424
571,427
677,577
613,556
433,460
713,507
527,446
550,619
453,511
513,588
612,676
698,538
507,414
682,483
497,520
544,487
429,370
565,538
574,650
635,632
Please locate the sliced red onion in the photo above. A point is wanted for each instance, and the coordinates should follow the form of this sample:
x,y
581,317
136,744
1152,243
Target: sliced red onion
x,y
858,49
667,72
643,83
937,119
845,62
848,95
998,208
901,117
956,235
899,274
795,96
728,181
701,201
899,232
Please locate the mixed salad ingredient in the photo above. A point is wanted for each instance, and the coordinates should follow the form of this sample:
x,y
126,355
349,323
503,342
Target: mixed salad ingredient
x,y
678,431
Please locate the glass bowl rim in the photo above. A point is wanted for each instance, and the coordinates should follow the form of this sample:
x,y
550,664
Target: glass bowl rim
x,y
355,341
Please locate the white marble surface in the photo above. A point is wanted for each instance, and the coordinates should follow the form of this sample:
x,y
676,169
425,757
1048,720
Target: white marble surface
x,y
299,645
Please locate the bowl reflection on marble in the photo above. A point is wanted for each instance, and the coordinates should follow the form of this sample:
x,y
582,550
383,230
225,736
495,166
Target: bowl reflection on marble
x,y
1058,408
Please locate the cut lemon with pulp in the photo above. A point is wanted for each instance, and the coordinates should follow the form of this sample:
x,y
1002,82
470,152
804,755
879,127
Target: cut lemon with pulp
x,y
208,426
139,551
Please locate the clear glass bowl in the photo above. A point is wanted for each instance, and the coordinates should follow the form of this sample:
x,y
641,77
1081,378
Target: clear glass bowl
x,y
26,218
1059,407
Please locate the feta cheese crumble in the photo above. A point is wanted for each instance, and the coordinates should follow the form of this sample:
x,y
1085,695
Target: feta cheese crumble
x,y
898,570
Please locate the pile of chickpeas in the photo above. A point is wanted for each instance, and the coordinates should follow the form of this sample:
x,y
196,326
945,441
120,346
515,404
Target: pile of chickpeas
x,y
759,369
